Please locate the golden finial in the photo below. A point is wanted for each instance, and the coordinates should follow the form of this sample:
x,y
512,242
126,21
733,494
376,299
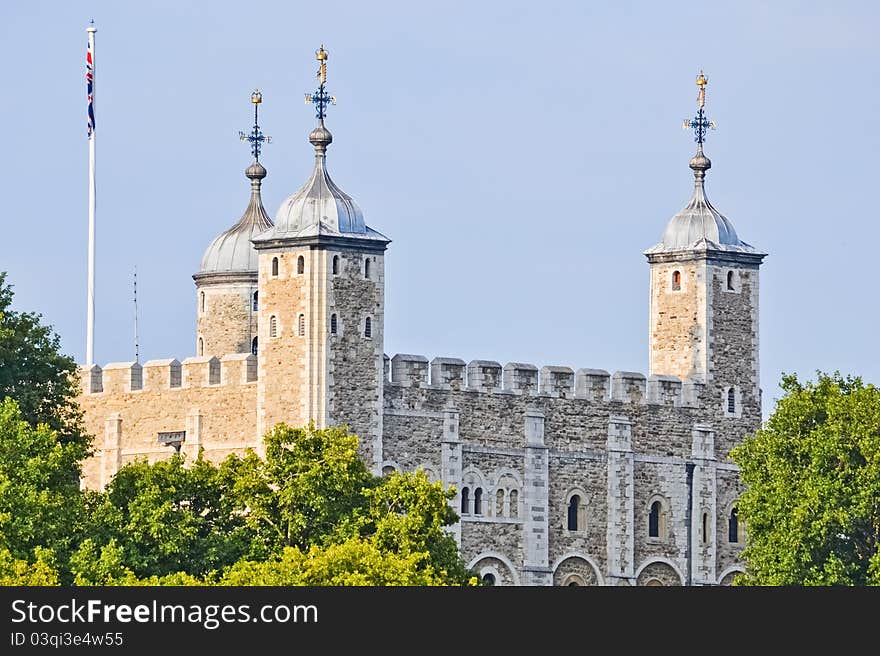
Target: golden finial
x,y
702,81
322,55
256,97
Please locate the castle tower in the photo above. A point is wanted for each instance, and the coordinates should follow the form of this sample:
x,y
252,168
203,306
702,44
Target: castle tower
x,y
226,284
322,306
704,296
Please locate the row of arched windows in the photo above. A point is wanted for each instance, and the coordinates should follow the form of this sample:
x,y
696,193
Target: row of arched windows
x,y
731,281
576,520
334,267
301,326
506,502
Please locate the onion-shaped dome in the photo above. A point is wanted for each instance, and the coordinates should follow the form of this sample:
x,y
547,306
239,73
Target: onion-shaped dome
x,y
699,226
320,207
232,250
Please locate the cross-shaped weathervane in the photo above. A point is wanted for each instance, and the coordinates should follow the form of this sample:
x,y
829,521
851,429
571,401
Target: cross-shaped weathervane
x,y
700,124
321,99
256,136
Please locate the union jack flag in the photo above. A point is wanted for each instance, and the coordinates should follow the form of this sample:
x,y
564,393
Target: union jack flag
x,y
90,83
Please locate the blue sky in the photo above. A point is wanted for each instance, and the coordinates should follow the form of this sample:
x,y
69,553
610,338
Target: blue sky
x,y
521,156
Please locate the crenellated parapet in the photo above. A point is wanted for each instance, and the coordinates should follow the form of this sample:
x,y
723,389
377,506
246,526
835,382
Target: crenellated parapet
x,y
489,376
169,374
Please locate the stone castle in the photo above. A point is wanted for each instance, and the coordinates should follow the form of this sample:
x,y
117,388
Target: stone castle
x,y
562,476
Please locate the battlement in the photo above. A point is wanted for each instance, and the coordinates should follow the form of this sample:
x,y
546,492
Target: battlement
x,y
169,374
488,376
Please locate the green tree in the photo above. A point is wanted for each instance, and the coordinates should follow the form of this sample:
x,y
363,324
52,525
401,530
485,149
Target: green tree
x,y
353,562
41,505
34,372
167,517
40,570
310,483
812,477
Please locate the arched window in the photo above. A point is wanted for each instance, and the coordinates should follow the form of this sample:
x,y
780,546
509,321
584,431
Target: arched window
x,y
499,503
478,501
731,401
733,527
465,501
201,346
254,304
368,327
489,578
705,528
300,265
730,280
301,325
655,520
274,266
333,324
273,326
676,280
573,507
514,503
367,268
202,302
254,346
335,265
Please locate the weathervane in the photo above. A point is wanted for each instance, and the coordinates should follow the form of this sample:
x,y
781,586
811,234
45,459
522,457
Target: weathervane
x,y
256,137
700,124
321,99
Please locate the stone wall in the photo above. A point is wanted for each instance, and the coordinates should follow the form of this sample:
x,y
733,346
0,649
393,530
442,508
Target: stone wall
x,y
283,388
677,320
733,339
668,423
226,322
213,400
354,359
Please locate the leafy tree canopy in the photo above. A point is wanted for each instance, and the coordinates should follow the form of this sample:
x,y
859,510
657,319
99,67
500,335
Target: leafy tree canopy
x,y
41,505
34,372
309,514
812,477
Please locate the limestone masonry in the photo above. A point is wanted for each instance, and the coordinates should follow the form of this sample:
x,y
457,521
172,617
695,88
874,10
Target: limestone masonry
x,y
562,476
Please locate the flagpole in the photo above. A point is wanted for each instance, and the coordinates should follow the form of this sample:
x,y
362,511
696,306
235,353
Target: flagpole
x,y
90,329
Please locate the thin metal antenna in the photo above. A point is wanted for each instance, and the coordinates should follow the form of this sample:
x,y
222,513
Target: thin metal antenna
x,y
136,353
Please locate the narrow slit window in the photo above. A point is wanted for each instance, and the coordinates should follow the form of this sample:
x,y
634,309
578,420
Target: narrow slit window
x,y
514,503
333,324
274,266
201,346
368,327
730,280
573,507
499,503
254,346
254,304
705,528
733,527
273,326
367,268
202,302
465,501
676,281
654,520
478,501
731,401
302,325
335,265
300,265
